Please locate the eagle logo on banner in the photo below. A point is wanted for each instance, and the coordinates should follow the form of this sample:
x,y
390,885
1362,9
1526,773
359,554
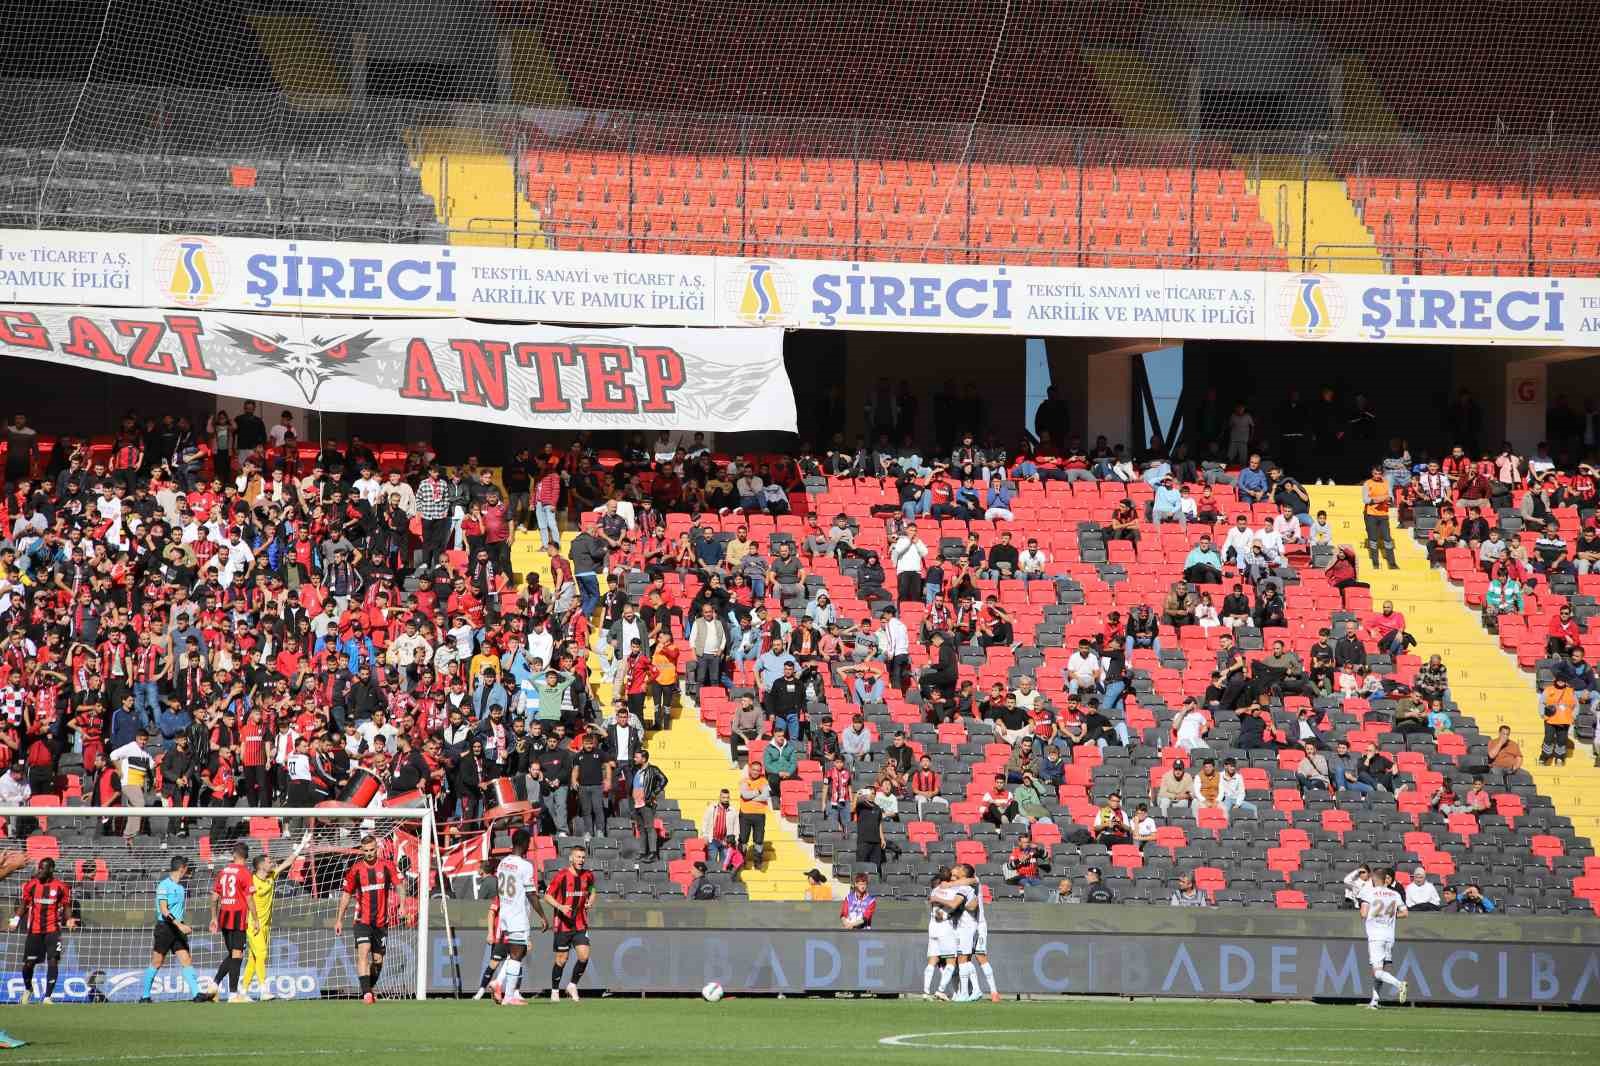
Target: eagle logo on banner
x,y
308,363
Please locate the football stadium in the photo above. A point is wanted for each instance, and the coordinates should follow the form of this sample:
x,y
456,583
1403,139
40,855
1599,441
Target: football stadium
x,y
897,532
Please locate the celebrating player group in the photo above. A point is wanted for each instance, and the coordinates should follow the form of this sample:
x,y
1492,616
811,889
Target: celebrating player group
x,y
958,937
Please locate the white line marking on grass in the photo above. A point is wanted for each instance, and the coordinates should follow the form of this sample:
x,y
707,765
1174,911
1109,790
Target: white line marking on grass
x,y
1133,1049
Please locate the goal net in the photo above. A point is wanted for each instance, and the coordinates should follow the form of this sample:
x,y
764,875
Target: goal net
x,y
111,882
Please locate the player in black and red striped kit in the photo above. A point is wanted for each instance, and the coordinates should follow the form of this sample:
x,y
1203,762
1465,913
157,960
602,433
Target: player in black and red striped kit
x,y
43,911
570,895
376,886
236,906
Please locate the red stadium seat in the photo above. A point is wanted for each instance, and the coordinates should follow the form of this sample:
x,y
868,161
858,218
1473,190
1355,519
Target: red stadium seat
x,y
1214,819
1548,848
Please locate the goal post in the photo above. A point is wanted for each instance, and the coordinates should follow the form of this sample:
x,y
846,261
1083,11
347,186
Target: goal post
x,y
112,881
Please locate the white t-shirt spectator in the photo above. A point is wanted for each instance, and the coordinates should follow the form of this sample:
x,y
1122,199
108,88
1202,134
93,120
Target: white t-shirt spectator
x,y
909,555
1418,893
1085,668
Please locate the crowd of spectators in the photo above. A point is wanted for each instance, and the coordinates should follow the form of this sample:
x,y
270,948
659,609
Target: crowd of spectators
x,y
206,617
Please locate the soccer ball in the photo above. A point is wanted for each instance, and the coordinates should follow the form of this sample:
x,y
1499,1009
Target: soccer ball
x,y
711,992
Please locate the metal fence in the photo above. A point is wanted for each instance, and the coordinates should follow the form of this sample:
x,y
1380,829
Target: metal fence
x,y
1074,197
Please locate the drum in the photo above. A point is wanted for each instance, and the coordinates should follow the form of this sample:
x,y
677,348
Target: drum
x,y
502,791
407,800
363,788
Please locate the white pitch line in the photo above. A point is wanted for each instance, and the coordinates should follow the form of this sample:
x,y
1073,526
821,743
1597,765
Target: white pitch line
x,y
919,1041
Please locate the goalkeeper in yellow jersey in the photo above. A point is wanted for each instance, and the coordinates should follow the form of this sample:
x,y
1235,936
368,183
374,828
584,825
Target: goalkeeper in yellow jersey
x,y
258,937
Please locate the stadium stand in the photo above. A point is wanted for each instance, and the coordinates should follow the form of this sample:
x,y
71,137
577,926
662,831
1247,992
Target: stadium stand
x,y
888,209
231,196
1521,851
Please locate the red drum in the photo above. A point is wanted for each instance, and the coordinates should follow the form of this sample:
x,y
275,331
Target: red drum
x,y
363,788
407,800
503,792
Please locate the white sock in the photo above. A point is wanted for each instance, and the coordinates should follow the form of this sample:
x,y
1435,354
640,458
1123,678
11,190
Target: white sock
x,y
969,977
946,972
927,978
511,977
1387,978
988,976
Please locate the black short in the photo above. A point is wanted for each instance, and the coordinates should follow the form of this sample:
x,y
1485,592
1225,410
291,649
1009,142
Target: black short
x,y
168,939
500,950
372,935
42,946
233,940
568,940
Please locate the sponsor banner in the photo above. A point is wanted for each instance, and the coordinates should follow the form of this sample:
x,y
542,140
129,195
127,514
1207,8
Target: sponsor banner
x,y
590,287
327,278
533,376
306,963
1248,967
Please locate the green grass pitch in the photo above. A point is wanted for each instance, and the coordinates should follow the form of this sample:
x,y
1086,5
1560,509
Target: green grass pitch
x,y
670,1032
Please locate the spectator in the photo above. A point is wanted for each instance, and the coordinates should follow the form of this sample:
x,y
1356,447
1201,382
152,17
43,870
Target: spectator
x,y
1342,574
1027,864
859,905
1420,894
719,829
855,743
817,888
1064,893
1096,890
925,787
755,800
1315,773
1558,705
870,841
1187,895
1111,825
999,806
1175,789
1232,793
1356,883
1142,826
1473,901
1203,566
1505,756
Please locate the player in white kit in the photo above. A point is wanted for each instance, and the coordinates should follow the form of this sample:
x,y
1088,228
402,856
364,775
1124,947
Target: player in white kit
x,y
980,945
516,880
943,900
1382,908
966,937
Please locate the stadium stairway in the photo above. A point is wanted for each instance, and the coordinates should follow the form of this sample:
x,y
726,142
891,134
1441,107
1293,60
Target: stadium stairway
x,y
1333,227
1484,680
475,189
697,764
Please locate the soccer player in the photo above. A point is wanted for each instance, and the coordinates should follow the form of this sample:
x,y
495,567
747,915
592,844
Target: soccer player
x,y
264,884
171,935
570,895
980,943
966,923
376,886
10,863
235,910
1381,908
517,883
941,936
43,911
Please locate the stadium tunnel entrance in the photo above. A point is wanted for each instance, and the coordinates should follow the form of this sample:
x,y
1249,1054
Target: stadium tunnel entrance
x,y
1126,390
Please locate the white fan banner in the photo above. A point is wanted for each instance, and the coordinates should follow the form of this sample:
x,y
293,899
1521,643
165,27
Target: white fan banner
x,y
535,376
